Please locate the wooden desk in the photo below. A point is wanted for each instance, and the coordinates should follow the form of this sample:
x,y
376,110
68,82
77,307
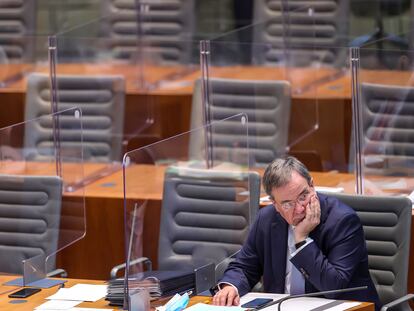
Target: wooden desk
x,y
40,297
103,245
169,91
321,112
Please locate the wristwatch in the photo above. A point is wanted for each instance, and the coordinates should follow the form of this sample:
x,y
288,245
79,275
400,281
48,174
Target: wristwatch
x,y
299,244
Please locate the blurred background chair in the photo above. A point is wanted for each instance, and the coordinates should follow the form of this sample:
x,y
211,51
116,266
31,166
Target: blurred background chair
x,y
17,29
387,227
161,29
205,217
388,130
101,99
384,49
30,208
301,33
267,105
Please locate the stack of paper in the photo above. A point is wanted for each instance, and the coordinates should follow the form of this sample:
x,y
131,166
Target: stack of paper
x,y
157,283
81,292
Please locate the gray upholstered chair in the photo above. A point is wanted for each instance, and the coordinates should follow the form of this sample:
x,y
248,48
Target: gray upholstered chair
x,y
388,129
101,99
311,31
387,227
267,105
164,29
29,219
18,21
205,217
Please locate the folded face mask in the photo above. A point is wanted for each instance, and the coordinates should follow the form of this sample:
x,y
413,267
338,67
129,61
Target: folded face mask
x,y
177,303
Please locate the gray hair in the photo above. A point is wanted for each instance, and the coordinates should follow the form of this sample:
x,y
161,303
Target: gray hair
x,y
279,173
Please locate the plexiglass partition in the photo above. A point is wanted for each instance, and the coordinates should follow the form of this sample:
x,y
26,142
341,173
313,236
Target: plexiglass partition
x,y
116,68
383,124
290,79
205,212
40,159
18,46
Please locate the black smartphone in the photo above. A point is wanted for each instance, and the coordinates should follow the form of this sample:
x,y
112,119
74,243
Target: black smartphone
x,y
24,292
256,303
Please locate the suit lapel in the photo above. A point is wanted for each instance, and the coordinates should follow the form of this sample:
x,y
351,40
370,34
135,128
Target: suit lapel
x,y
279,248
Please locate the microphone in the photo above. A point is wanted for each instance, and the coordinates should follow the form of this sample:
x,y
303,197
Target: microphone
x,y
315,294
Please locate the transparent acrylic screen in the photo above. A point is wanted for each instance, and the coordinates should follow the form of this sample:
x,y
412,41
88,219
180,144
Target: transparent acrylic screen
x,y
40,159
205,211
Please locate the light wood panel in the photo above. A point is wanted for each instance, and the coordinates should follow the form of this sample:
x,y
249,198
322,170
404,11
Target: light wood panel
x,y
40,297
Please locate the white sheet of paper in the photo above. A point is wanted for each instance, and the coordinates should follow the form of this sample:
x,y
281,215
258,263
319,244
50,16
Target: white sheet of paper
x,y
89,309
344,306
83,292
58,305
329,189
206,307
303,304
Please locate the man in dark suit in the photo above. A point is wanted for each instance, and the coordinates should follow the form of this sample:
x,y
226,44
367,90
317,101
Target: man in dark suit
x,y
304,242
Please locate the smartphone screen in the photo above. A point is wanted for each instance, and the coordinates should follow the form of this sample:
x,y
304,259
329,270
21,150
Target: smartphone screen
x,y
256,303
24,292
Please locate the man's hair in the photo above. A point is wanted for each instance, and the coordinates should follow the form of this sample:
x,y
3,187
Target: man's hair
x,y
279,173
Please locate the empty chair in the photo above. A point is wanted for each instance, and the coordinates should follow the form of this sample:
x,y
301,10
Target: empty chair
x,y
387,226
301,32
388,129
29,219
267,105
205,217
101,99
159,31
17,29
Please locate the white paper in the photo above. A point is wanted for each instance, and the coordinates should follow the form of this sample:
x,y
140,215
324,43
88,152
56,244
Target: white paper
x,y
329,189
303,304
58,305
90,309
83,292
206,307
344,306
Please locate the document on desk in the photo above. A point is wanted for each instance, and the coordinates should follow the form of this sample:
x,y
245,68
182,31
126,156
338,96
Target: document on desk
x,y
58,305
303,304
83,292
206,307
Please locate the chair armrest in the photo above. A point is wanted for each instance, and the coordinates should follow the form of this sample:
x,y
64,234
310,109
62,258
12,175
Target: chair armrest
x,y
143,260
58,272
397,302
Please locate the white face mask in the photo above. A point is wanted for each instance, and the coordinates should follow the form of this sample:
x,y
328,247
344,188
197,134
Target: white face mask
x,y
177,303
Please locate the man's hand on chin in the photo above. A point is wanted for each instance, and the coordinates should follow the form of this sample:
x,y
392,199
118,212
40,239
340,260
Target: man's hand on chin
x,y
311,220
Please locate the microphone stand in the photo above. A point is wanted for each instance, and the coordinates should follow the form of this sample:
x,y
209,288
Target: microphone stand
x,y
315,294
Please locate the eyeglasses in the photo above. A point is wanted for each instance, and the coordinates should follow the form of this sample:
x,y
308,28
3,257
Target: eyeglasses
x,y
301,199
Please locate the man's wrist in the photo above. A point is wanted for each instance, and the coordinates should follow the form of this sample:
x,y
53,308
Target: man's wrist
x,y
299,244
300,238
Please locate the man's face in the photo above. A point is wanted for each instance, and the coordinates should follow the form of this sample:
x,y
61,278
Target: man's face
x,y
291,199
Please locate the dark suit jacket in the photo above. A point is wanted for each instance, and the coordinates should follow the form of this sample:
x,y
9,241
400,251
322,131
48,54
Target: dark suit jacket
x,y
336,259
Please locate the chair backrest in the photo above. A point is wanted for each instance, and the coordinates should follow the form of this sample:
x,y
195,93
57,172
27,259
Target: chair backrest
x,y
29,219
101,99
307,36
164,29
267,105
388,129
205,211
387,227
17,28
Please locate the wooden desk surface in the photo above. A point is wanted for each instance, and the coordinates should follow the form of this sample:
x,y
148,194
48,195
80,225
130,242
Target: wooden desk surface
x,y
321,115
40,297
